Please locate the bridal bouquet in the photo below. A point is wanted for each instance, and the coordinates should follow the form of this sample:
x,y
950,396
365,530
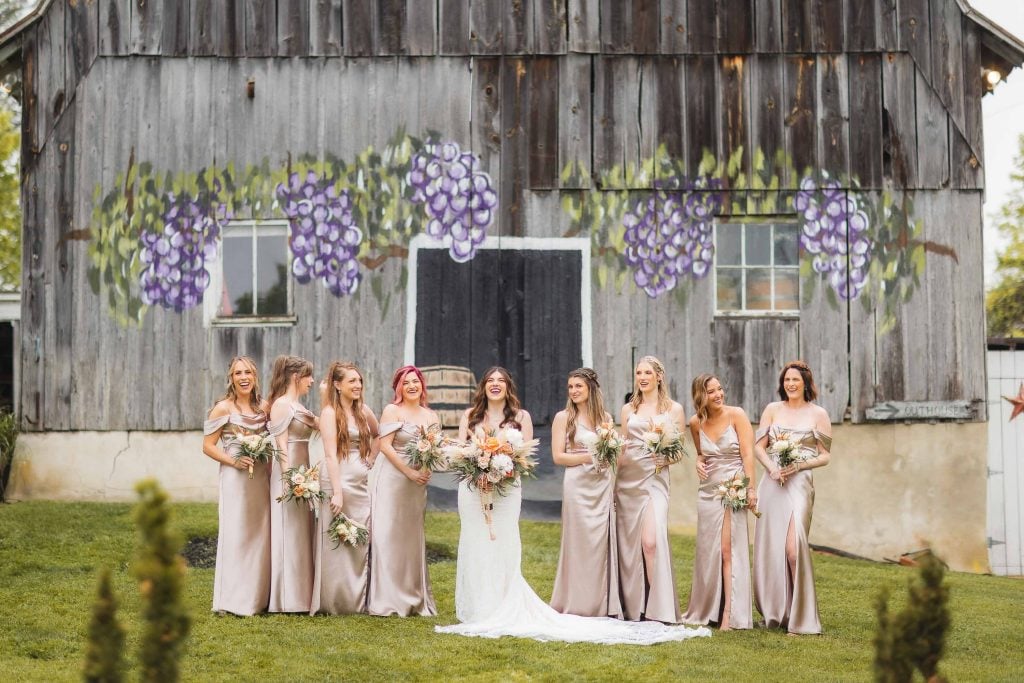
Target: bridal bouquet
x,y
733,493
784,450
259,447
344,529
427,449
491,462
663,440
605,446
302,483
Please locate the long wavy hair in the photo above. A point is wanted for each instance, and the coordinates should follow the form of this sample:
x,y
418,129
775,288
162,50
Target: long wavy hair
x,y
810,388
396,384
286,367
595,403
699,391
664,400
255,400
337,373
478,409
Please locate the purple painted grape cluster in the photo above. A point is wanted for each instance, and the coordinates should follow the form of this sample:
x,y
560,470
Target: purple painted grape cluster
x,y
670,233
458,197
174,275
835,231
323,234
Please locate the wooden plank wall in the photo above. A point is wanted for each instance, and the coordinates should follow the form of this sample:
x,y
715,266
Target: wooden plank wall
x,y
1005,465
878,90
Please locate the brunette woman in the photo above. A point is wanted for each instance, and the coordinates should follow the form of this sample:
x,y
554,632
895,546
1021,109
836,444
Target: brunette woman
x,y
721,567
587,581
241,580
783,572
348,430
647,586
399,581
291,523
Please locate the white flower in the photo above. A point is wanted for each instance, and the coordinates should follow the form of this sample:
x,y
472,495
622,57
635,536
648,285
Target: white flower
x,y
587,439
514,437
298,478
313,486
502,464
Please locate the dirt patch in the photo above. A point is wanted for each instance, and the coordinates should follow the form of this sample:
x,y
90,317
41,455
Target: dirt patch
x,y
201,552
439,552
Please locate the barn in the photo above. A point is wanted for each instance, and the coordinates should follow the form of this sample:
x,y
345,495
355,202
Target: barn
x,y
725,184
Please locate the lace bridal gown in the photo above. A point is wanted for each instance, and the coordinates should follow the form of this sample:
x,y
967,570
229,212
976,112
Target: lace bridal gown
x,y
492,599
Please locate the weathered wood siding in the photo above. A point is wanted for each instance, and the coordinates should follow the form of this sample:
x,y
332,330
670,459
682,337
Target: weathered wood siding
x,y
883,90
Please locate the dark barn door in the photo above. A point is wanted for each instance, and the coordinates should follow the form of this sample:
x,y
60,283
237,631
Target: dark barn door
x,y
515,308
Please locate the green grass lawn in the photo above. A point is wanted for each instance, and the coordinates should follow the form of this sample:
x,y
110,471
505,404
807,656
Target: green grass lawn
x,y
50,554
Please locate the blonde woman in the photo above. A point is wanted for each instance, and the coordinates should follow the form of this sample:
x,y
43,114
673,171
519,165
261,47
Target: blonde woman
x,y
647,586
783,571
721,568
587,581
241,580
348,432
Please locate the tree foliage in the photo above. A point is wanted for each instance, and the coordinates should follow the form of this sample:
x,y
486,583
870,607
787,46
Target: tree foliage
x,y
1004,303
104,660
10,204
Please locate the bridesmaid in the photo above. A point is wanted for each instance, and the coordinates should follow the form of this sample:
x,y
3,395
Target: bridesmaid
x,y
783,572
587,581
291,524
348,431
399,581
647,586
241,580
721,568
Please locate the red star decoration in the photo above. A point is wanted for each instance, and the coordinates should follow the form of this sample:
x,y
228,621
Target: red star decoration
x,y
1017,402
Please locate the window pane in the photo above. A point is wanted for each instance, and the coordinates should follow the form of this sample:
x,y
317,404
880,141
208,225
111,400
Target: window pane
x,y
787,289
272,275
785,245
758,245
236,297
729,289
759,288
727,247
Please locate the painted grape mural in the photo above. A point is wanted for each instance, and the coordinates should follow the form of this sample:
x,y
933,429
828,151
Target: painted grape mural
x,y
156,236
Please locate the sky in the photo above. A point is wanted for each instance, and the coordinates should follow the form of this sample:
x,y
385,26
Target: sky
x,y
1003,112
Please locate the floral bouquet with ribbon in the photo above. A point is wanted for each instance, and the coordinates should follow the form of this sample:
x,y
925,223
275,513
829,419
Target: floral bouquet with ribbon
x,y
605,446
492,462
662,439
259,447
302,484
734,494
344,529
427,449
785,451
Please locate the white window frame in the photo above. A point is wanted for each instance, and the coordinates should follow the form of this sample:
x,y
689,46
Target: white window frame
x,y
581,244
211,298
761,221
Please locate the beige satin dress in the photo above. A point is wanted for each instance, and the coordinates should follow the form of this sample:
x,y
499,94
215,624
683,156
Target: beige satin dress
x,y
587,580
723,462
637,487
787,601
340,574
241,580
399,581
291,523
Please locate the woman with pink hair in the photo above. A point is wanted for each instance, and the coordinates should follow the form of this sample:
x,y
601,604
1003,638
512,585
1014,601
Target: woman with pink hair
x,y
399,582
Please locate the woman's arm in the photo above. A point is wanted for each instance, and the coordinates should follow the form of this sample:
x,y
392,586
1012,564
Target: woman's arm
x,y
280,411
526,422
702,466
371,421
387,447
823,425
464,426
759,446
559,426
741,423
211,442
329,440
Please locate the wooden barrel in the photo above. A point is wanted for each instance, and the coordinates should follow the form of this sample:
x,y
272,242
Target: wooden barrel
x,y
450,388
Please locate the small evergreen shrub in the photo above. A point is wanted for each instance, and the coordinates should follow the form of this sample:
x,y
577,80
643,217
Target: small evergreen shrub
x,y
104,662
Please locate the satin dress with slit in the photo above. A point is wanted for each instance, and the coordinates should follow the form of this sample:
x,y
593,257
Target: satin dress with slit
x,y
241,579
637,489
787,600
291,522
723,462
399,580
341,574
587,580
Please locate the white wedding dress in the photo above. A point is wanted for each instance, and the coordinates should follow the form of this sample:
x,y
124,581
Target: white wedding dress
x,y
492,599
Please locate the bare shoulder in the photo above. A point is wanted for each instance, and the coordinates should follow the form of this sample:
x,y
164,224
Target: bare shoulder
x,y
368,412
737,414
524,416
221,409
327,412
390,411
561,417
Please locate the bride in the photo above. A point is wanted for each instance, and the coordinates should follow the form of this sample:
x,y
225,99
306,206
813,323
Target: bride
x,y
492,599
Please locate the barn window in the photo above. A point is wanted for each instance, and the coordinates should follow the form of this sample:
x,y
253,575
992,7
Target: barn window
x,y
757,268
252,284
